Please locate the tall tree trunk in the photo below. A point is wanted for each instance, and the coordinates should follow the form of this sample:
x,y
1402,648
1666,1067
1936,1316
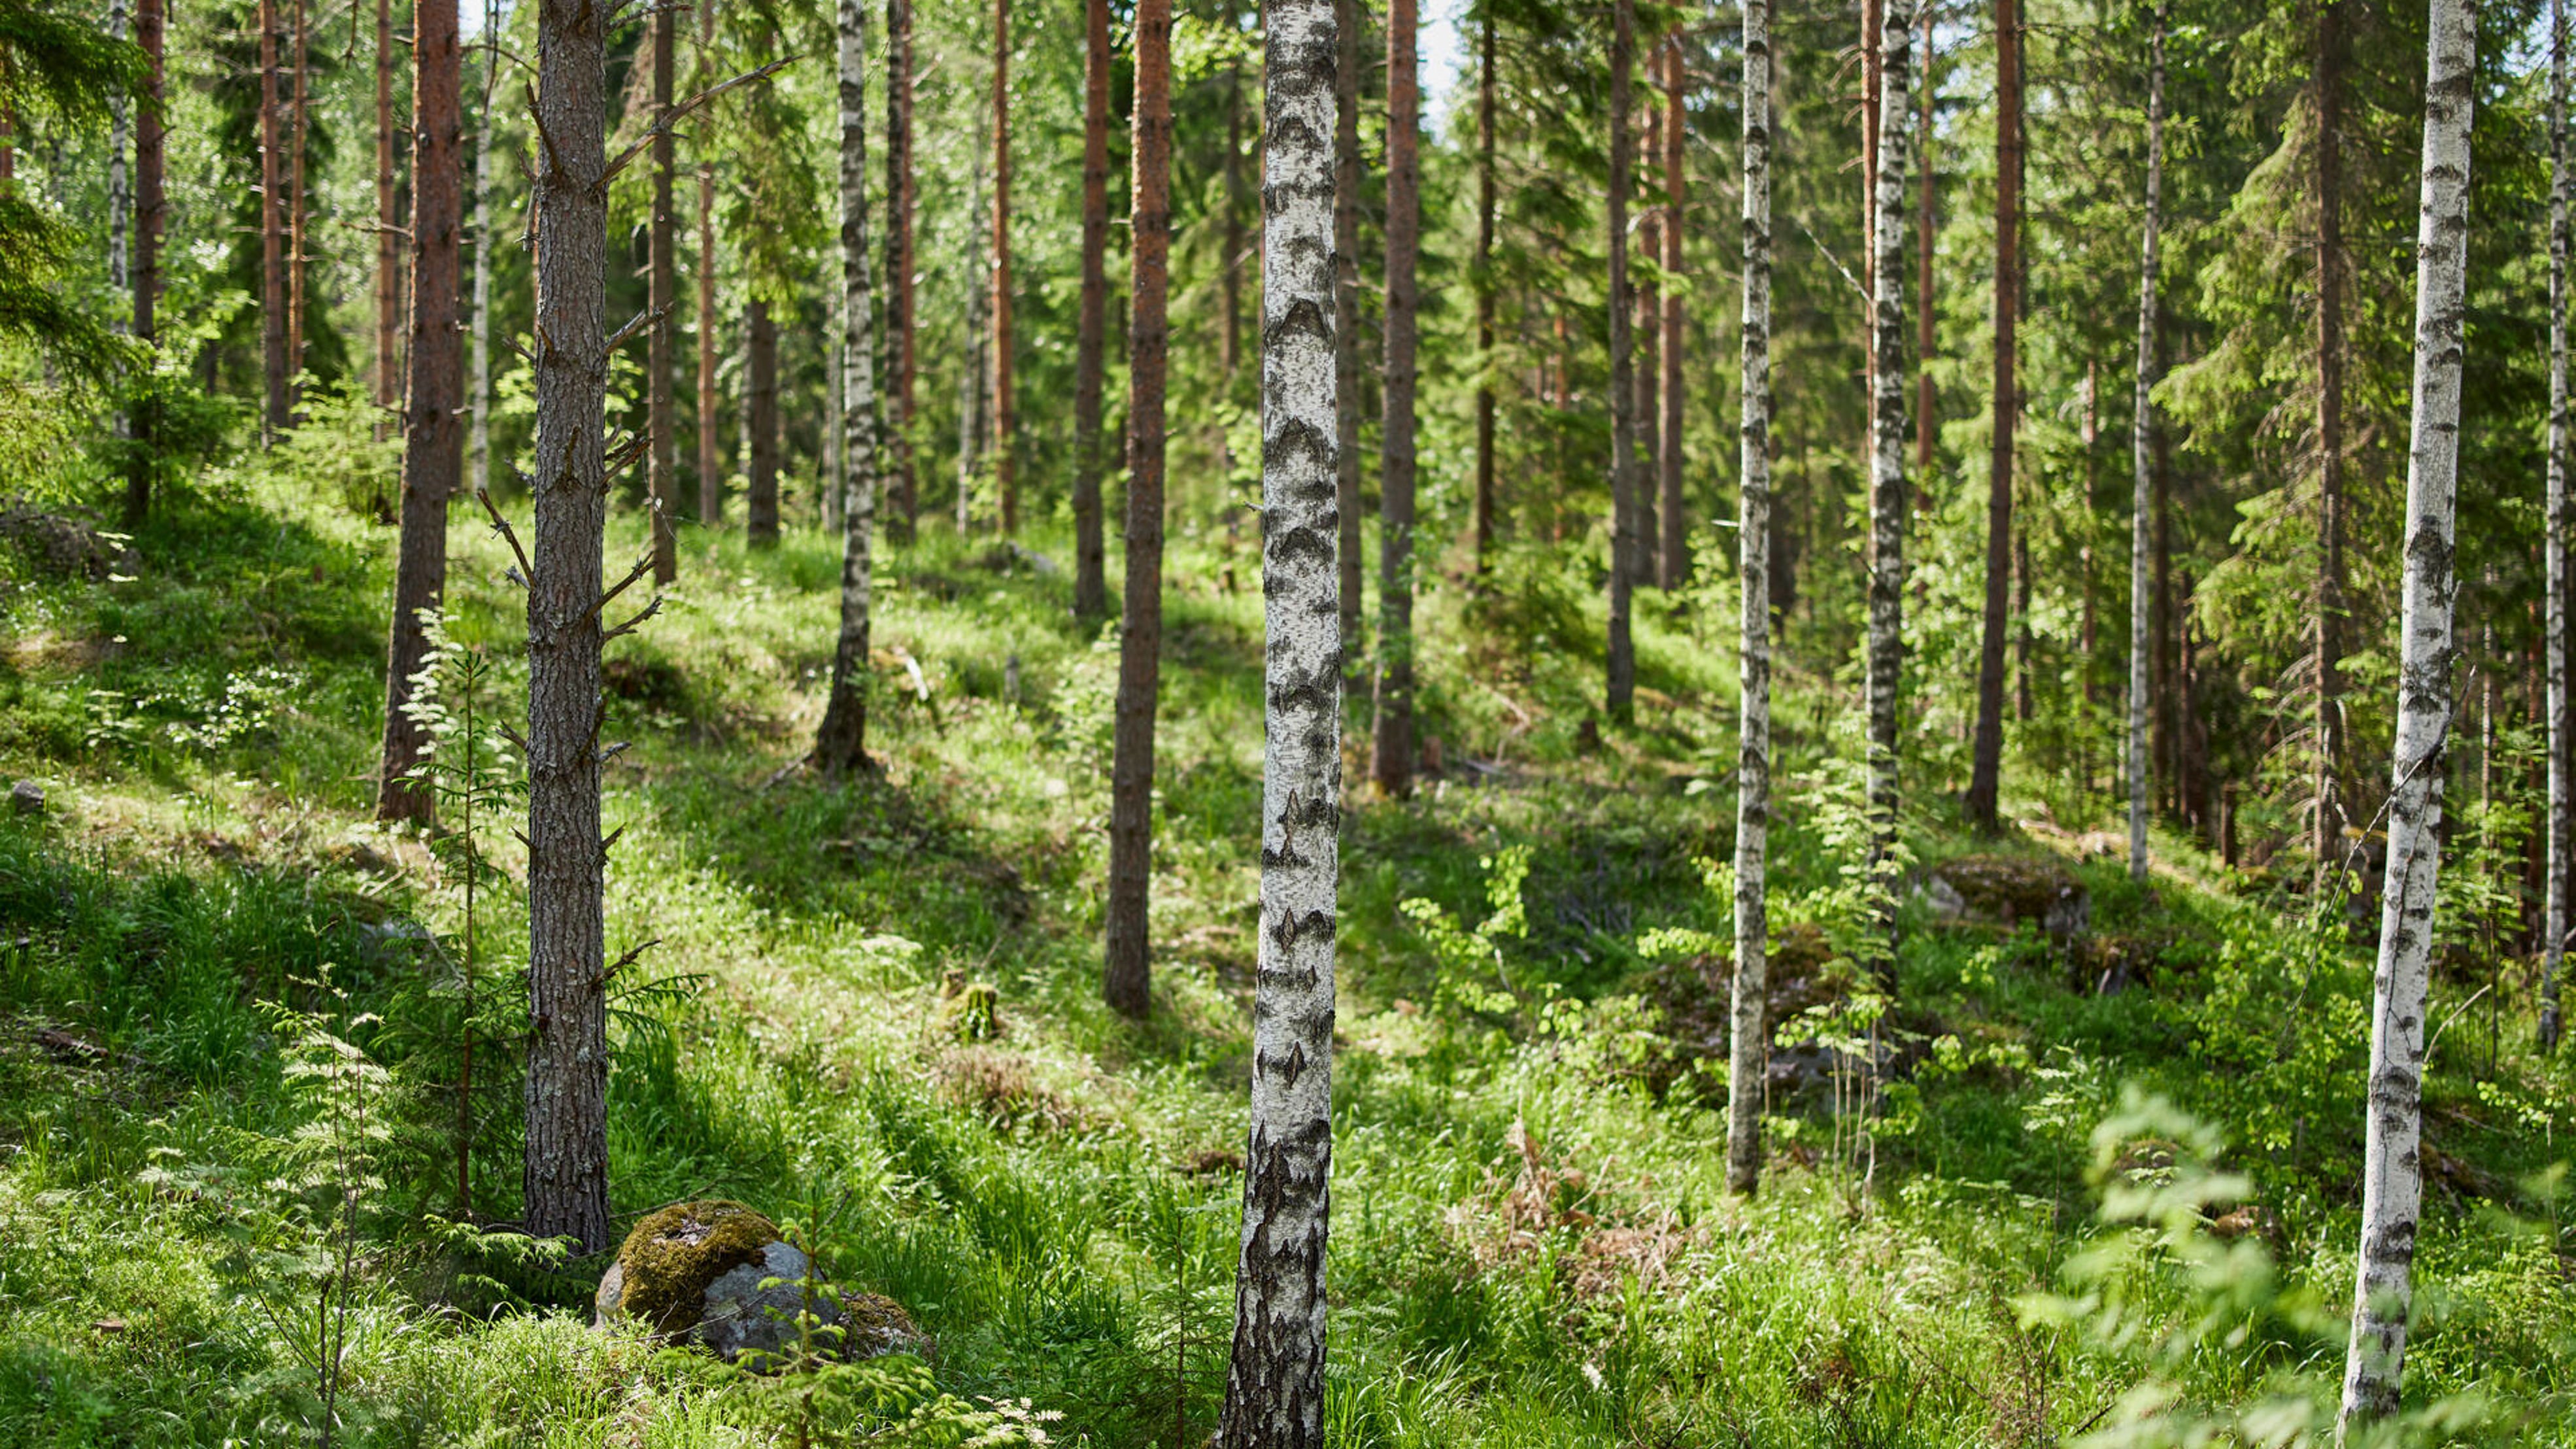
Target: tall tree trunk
x,y
479,440
1128,980
566,1163
120,200
902,482
1648,337
840,745
2328,180
1619,694
661,404
1229,342
1090,585
1925,422
1481,528
1391,753
1005,476
760,426
433,441
2555,522
711,468
2391,1177
149,132
389,362
300,99
272,231
1873,24
2141,432
1676,554
1274,1393
2023,703
1348,18
1748,1051
973,378
1887,490
1985,774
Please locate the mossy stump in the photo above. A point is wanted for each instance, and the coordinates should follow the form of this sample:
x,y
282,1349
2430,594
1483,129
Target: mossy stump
x,y
693,1273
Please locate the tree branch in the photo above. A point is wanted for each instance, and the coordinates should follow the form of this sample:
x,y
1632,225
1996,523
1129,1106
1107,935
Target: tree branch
x,y
664,126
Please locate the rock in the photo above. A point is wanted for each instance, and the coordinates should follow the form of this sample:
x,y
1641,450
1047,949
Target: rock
x,y
693,1274
2005,890
27,798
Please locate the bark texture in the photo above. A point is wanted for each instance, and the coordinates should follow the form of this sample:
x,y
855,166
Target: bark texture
x,y
2553,937
1275,1384
1985,775
2392,1176
760,426
662,291
1887,490
1619,692
1127,982
1347,18
840,745
1748,1053
1481,520
1674,565
902,484
1005,478
478,446
2327,179
566,1163
711,469
2141,452
149,132
1090,585
1925,423
389,361
272,234
1391,749
433,437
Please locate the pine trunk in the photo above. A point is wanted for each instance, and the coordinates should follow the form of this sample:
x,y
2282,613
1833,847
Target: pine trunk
x,y
1648,337
711,469
2022,641
1676,552
1127,983
1275,1384
300,105
1391,746
1748,1053
1347,23
1481,524
1887,484
661,405
1005,476
760,427
1229,351
902,483
2141,450
433,441
2328,176
479,439
1925,423
1985,774
2553,940
1619,693
272,233
840,745
2391,1179
149,133
389,360
1090,584
120,200
566,1164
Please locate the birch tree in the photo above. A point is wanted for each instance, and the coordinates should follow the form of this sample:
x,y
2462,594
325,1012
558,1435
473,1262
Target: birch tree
x,y
1749,1047
1275,1383
901,479
2141,450
662,459
1887,490
1985,779
840,745
1620,689
2392,1177
1391,753
2553,931
1347,16
1005,476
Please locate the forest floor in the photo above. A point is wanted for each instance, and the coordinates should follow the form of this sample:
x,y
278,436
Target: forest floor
x,y
2109,1186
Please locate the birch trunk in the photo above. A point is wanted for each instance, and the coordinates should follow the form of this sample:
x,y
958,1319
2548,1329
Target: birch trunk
x,y
272,235
2391,1182
2553,943
1127,982
2141,451
1925,422
1347,23
1675,563
1621,687
2330,605
711,469
1091,344
840,745
148,133
1985,777
902,485
566,1164
662,466
479,441
1275,1385
389,357
1749,1048
1887,490
1005,478
1481,537
120,201
1391,747
432,440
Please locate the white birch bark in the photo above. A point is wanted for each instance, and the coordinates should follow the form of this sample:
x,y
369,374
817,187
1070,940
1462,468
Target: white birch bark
x,y
120,200
1275,1384
2141,436
1887,436
2553,946
1748,1055
840,745
478,444
2391,1187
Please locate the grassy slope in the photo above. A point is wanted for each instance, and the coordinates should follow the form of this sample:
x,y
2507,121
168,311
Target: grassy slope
x,y
1530,1246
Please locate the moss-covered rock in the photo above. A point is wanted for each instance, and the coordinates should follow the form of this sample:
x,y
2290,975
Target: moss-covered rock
x,y
718,1275
2005,890
662,1271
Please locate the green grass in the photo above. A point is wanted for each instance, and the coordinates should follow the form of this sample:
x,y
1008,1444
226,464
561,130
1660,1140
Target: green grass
x,y
1531,1246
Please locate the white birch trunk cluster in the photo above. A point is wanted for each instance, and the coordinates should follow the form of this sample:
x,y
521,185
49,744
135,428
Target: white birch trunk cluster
x,y
1748,1053
2392,1177
2141,450
1887,436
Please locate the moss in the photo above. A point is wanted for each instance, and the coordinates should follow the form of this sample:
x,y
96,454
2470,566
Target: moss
x,y
2008,888
671,1257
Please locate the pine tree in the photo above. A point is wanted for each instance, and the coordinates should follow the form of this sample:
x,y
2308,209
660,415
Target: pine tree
x,y
1481,535
274,370
1675,563
1748,1050
389,362
1985,780
760,425
1127,982
711,469
1090,586
2326,180
1391,745
2555,522
840,745
1275,1384
150,132
2392,1176
1620,691
2140,449
662,461
479,440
